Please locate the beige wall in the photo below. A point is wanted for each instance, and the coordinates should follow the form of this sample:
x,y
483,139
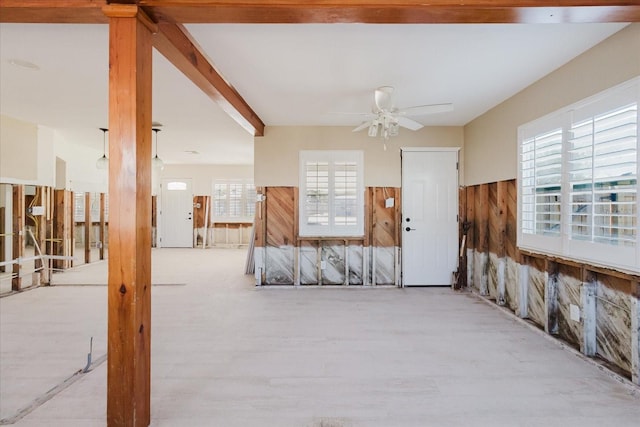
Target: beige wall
x,y
276,153
491,139
18,151
202,176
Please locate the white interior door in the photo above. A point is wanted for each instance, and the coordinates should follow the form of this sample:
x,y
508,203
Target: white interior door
x,y
176,214
429,216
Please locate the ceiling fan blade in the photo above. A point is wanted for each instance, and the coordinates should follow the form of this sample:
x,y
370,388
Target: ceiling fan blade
x,y
383,98
347,113
364,125
406,122
423,110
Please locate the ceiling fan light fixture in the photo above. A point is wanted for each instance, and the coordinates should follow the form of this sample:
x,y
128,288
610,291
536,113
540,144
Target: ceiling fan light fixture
x,y
394,128
386,120
373,129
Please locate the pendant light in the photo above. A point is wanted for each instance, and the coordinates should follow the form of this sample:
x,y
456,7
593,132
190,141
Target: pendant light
x,y
103,162
157,162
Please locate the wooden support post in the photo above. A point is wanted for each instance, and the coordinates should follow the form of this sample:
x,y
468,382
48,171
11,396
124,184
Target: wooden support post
x,y
551,298
41,236
635,335
57,227
588,291
70,213
129,289
523,288
87,228
102,226
18,235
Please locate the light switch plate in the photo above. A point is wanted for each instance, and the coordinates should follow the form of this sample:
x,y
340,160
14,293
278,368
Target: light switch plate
x,y
388,203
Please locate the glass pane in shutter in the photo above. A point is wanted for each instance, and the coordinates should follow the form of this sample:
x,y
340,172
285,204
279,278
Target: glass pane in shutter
x,y
345,198
317,193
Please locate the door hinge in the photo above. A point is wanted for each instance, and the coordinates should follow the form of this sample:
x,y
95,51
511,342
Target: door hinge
x,y
457,218
457,165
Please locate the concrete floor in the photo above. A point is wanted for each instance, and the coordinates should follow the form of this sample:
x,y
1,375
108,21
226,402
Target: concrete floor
x,y
225,353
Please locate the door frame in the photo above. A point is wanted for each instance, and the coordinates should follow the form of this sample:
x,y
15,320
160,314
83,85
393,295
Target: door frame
x,y
456,198
159,206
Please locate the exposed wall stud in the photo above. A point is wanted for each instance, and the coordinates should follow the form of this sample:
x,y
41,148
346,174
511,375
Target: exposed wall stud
x,y
18,235
551,298
523,289
87,228
635,335
588,296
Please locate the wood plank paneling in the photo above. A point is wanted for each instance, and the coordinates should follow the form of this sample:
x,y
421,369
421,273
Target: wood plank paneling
x,y
384,229
470,217
618,283
199,212
398,216
368,215
511,226
280,214
498,217
482,218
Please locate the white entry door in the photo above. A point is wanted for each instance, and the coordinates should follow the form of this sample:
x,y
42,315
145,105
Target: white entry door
x,y
176,214
429,216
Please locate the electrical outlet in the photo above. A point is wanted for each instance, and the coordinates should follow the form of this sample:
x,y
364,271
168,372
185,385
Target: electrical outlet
x,y
574,312
36,210
388,203
323,264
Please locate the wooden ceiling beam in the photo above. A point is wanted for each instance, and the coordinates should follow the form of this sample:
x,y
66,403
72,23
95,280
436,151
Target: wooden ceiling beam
x,y
332,11
397,12
176,44
53,11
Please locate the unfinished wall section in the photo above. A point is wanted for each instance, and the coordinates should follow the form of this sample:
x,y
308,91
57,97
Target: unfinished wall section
x,y
283,257
593,309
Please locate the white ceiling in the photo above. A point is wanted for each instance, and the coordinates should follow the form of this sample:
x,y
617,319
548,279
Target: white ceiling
x,y
289,74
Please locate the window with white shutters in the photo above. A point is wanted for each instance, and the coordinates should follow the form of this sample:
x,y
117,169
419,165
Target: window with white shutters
x,y
542,176
578,174
603,177
233,200
331,193
78,207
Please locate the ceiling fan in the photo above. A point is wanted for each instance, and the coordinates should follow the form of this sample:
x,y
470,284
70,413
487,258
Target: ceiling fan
x,y
386,119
